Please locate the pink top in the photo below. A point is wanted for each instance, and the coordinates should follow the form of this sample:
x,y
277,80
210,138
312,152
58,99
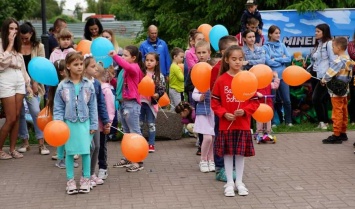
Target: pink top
x,y
110,103
191,58
131,77
58,54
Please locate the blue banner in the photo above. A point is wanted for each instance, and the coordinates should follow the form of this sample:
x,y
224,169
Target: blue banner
x,y
298,30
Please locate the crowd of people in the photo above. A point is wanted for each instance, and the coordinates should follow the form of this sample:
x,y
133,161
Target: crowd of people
x,y
90,99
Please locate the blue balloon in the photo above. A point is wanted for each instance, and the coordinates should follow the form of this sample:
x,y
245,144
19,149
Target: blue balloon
x,y
216,33
43,71
100,49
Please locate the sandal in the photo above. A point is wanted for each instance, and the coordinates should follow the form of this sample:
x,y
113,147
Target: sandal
x,y
4,156
16,154
229,190
242,190
123,163
134,168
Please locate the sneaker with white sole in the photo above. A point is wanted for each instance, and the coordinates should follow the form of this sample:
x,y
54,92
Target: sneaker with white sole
x,y
229,190
103,174
204,166
322,126
76,157
96,179
71,187
60,164
211,166
24,148
43,150
55,157
85,185
242,190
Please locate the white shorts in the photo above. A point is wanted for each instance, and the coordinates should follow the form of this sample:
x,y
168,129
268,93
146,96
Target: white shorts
x,y
11,83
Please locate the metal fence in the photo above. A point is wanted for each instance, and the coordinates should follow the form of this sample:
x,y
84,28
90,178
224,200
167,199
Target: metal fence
x,y
129,29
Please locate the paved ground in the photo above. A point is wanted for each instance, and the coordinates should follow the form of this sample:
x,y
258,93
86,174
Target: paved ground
x,y
297,172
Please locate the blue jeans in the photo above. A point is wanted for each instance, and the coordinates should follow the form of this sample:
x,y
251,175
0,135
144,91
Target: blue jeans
x,y
130,111
33,107
283,92
148,117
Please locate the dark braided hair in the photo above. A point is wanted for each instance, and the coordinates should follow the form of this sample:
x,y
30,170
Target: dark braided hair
x,y
184,106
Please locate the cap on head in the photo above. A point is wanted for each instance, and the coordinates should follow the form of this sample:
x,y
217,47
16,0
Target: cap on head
x,y
251,3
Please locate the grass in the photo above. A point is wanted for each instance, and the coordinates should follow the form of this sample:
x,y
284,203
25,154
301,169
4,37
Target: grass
x,y
304,127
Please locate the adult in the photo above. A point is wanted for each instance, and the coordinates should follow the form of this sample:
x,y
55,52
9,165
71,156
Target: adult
x,y
13,84
93,29
157,45
30,48
321,58
277,57
351,106
58,25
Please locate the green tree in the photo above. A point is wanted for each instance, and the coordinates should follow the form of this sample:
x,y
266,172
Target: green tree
x,y
19,9
123,10
78,11
53,9
175,18
99,7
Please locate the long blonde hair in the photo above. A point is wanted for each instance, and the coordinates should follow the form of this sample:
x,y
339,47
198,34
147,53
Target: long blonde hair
x,y
113,39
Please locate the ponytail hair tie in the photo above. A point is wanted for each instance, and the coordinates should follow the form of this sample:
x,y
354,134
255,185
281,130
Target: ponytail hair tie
x,y
87,56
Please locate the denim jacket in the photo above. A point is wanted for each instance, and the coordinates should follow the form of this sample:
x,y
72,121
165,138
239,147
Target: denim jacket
x,y
68,106
322,58
253,57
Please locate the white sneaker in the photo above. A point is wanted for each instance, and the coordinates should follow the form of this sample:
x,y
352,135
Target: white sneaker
x,y
229,190
211,166
322,126
290,125
204,167
242,190
24,148
97,180
85,185
103,174
43,150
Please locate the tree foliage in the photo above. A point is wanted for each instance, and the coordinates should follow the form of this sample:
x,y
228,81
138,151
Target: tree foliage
x,y
123,10
175,18
19,9
53,9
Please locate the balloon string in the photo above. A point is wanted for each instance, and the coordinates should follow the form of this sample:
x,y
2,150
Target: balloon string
x,y
117,129
315,78
233,120
161,108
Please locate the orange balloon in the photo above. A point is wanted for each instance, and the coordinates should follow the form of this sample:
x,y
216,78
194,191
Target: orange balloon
x,y
134,147
201,76
43,118
146,87
295,75
244,85
205,30
263,73
263,114
164,100
181,67
84,46
56,133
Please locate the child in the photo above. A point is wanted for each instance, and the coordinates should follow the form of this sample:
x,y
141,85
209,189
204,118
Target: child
x,y
191,60
252,24
149,107
252,11
234,137
103,77
75,104
204,124
340,70
253,54
176,77
187,113
90,72
277,58
262,93
65,41
223,44
60,67
131,62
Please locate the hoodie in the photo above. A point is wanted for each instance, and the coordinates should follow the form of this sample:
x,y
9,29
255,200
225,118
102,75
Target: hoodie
x,y
277,56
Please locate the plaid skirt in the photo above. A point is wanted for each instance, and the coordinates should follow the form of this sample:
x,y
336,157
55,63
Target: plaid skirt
x,y
234,142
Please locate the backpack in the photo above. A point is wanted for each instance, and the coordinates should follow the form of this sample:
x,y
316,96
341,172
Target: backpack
x,y
340,87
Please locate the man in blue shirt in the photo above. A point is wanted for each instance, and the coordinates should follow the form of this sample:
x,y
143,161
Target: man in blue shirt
x,y
154,44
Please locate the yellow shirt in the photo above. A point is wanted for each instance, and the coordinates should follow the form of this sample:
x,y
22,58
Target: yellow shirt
x,y
176,78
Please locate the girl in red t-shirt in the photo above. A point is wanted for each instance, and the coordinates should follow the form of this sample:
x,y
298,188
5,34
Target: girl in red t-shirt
x,y
235,138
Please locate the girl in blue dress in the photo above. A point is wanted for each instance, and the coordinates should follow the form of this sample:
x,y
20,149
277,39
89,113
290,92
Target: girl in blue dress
x,y
75,104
